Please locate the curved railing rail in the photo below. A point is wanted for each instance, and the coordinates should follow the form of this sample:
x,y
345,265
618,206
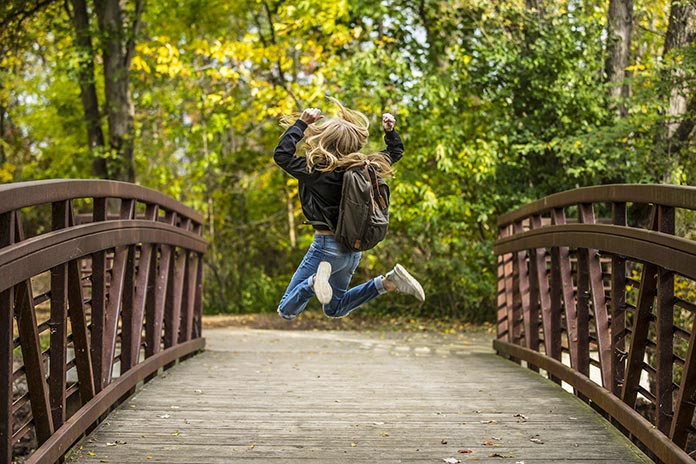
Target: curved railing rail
x,y
597,287
100,287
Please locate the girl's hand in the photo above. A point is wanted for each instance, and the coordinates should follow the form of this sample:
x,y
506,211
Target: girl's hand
x,y
388,121
311,115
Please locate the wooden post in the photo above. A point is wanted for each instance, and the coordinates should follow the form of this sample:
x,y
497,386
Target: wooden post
x,y
618,308
665,331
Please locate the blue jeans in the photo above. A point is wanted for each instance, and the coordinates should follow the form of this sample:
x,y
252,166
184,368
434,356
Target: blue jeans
x,y
343,264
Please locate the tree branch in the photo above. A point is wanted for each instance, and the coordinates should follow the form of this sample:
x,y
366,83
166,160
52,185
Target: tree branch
x,y
135,30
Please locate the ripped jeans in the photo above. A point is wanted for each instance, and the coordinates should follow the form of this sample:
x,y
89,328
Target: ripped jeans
x,y
343,264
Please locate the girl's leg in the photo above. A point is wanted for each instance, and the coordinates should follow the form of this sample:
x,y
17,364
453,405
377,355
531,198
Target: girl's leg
x,y
300,291
344,301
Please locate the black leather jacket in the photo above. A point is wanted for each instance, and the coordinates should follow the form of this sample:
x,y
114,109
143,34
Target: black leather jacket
x,y
320,192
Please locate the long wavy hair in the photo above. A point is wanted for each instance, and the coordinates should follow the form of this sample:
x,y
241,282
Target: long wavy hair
x,y
335,142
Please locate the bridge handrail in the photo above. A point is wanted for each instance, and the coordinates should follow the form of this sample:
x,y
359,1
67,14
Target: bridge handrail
x,y
121,286
22,194
677,196
599,294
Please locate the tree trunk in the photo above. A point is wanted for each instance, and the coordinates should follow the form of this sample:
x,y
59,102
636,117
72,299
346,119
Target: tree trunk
x,y
619,27
88,91
678,128
117,49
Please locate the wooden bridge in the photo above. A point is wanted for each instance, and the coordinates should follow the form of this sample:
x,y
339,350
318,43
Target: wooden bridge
x,y
596,294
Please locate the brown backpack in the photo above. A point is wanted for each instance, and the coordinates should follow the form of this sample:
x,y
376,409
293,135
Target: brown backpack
x,y
363,216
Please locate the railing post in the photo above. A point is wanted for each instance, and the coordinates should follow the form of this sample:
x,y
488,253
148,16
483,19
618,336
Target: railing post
x,y
7,229
583,311
98,301
618,308
58,325
665,331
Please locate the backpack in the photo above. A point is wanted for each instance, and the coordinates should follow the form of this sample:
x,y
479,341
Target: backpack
x,y
363,215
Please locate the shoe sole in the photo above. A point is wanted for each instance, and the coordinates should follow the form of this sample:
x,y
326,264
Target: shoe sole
x,y
322,288
403,273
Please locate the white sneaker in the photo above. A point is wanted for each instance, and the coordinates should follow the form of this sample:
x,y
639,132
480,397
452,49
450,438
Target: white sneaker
x,y
405,283
322,288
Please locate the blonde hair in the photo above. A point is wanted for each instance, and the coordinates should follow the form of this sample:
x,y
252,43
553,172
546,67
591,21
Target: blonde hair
x,y
335,142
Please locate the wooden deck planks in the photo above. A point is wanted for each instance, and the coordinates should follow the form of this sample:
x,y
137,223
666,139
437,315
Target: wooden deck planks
x,y
297,397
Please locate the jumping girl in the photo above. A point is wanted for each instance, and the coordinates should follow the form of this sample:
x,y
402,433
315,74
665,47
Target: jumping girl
x,y
331,145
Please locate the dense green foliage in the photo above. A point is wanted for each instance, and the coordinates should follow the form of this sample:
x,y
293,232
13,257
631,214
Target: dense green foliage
x,y
498,104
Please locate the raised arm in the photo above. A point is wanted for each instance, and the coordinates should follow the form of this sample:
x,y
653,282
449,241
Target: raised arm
x,y
284,153
395,147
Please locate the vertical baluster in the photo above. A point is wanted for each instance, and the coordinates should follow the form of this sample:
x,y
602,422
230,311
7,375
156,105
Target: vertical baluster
x,y
190,297
556,299
58,323
154,328
599,302
31,353
641,326
686,400
7,230
175,298
566,283
583,311
131,342
551,321
529,294
509,294
122,258
127,301
516,317
503,322
618,308
198,326
665,331
98,301
80,332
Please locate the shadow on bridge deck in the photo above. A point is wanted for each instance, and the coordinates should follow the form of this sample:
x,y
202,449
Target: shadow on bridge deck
x,y
299,397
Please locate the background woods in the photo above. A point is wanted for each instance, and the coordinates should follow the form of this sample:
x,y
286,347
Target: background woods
x,y
498,102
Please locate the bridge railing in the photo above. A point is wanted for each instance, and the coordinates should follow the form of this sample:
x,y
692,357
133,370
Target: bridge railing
x,y
92,302
597,288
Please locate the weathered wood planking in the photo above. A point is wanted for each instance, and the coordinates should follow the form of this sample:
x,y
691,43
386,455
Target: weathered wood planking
x,y
297,397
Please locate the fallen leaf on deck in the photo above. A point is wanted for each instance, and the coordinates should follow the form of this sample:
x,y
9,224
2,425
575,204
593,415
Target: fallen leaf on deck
x,y
353,444
492,421
498,455
443,441
164,416
489,443
91,453
522,417
452,460
538,441
464,451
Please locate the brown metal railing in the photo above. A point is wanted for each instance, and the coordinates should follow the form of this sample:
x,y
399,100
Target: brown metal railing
x,y
597,287
89,308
